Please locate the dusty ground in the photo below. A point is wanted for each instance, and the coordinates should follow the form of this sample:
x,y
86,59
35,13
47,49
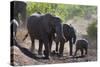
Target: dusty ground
x,y
22,55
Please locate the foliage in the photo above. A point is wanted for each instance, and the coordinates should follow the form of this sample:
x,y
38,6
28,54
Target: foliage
x,y
64,11
92,30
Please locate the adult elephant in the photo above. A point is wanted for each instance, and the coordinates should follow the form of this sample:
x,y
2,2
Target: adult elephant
x,y
69,35
42,27
17,8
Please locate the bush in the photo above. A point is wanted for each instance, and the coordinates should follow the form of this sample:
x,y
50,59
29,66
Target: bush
x,y
92,30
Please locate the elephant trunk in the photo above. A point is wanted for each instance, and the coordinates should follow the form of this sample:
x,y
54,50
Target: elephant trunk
x,y
59,32
74,38
60,38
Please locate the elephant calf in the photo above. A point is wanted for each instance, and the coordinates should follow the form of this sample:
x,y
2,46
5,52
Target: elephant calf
x,y
81,45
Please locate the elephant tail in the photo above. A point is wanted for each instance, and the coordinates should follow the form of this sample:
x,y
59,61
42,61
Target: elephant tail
x,y
25,36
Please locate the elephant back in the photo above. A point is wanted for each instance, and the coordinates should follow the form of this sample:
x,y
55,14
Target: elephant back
x,y
38,25
82,43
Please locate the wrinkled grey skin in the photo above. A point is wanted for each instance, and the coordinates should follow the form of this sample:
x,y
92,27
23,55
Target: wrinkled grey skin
x,y
69,35
42,27
81,45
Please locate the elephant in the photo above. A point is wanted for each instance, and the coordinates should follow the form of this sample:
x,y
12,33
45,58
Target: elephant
x,y
69,35
17,8
14,25
81,45
42,27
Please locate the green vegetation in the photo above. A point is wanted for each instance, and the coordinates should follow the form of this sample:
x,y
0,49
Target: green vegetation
x,y
65,11
92,30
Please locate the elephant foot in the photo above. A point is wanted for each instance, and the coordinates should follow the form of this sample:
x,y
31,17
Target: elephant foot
x,y
60,54
54,53
46,55
40,53
71,55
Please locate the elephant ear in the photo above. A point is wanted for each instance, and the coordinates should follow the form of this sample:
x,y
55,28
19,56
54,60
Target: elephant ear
x,y
57,20
50,19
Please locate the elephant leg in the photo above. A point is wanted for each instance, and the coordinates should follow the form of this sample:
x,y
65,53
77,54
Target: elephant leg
x,y
33,46
75,52
61,48
81,52
46,51
40,47
71,48
57,43
50,43
86,51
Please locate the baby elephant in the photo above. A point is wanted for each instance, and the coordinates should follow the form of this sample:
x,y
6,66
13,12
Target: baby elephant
x,y
81,45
